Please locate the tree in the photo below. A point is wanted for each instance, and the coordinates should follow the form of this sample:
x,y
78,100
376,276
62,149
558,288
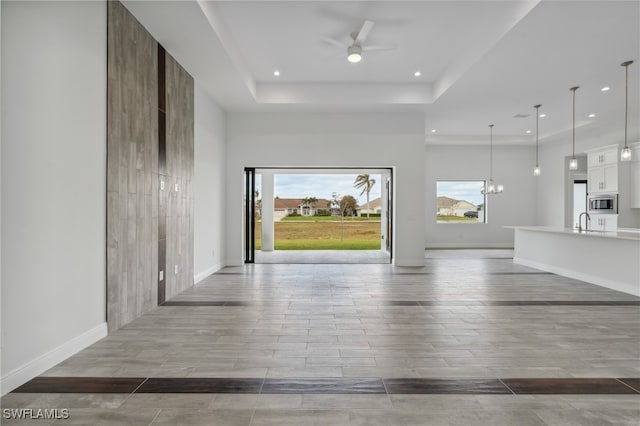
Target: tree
x,y
309,201
365,182
348,205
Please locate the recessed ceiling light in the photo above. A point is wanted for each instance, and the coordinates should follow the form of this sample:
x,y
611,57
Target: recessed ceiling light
x,y
276,73
433,130
528,131
605,89
417,74
591,115
543,115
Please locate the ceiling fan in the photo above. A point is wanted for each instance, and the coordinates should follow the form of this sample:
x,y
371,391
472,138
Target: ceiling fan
x,y
354,51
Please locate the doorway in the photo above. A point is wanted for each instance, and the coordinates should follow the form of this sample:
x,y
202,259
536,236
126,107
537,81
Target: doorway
x,y
318,215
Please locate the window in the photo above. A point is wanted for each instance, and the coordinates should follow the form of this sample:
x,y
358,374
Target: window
x,y
460,201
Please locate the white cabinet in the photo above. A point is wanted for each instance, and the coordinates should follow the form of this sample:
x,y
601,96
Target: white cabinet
x,y
604,222
603,179
602,156
635,176
602,169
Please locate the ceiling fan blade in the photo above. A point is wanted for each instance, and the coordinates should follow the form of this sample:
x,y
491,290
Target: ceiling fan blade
x,y
373,48
334,42
363,33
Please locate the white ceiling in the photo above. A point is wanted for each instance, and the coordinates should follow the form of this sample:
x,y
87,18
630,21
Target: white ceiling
x,y
481,61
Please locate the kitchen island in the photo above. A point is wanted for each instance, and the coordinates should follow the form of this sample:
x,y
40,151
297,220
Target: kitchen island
x,y
607,258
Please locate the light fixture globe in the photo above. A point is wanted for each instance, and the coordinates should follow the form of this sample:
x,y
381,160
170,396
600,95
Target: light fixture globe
x,y
536,171
490,187
354,54
625,154
573,164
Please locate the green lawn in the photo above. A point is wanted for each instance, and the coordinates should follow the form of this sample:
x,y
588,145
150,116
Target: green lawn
x,y
457,219
325,219
308,244
324,235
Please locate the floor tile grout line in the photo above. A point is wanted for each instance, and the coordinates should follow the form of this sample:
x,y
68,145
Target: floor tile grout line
x,y
627,385
140,385
506,386
156,416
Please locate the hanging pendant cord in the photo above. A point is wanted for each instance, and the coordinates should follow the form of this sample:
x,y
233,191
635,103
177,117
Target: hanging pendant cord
x,y
626,96
573,89
491,153
537,118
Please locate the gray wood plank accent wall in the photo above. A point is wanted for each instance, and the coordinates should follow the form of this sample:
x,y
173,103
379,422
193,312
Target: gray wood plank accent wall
x,y
133,184
179,160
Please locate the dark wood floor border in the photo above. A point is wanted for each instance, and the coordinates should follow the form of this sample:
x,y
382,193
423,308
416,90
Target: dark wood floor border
x,y
210,303
334,386
568,386
446,386
200,385
324,386
81,385
633,383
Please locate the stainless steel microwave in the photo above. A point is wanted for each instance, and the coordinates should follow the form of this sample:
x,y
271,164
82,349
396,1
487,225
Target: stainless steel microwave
x,y
603,204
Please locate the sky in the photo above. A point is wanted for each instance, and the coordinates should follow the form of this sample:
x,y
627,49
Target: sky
x,y
320,186
462,190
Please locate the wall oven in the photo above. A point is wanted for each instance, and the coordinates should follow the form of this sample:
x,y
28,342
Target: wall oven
x,y
603,204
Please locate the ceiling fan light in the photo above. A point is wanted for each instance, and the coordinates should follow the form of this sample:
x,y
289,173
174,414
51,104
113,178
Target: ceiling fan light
x,y
354,54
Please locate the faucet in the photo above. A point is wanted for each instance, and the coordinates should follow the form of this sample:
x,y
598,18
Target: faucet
x,y
586,224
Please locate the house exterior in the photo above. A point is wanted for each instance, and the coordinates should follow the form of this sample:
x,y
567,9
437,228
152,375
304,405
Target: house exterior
x,y
450,207
375,207
285,206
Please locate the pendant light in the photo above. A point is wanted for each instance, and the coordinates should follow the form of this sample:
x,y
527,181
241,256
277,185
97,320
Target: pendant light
x,y
536,170
573,162
491,187
625,154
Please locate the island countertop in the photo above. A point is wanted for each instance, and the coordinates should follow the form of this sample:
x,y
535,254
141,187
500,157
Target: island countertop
x,y
621,234
605,258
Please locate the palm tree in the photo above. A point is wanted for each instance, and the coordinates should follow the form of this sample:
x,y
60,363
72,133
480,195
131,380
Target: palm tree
x,y
310,201
365,182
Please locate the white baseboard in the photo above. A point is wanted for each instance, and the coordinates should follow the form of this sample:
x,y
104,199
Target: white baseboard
x,y
204,274
37,366
412,263
592,279
468,245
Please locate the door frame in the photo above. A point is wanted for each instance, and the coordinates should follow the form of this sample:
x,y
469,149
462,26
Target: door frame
x,y
249,201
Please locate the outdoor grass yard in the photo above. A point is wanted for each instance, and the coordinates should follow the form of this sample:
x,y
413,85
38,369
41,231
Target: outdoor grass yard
x,y
441,218
326,218
325,235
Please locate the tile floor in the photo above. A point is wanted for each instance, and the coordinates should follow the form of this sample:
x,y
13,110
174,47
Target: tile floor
x,y
479,319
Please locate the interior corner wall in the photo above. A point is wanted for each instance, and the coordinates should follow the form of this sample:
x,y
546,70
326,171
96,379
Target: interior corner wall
x,y
149,225
512,166
53,183
365,140
208,186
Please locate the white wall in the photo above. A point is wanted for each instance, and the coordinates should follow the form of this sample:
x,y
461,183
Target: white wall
x,y
53,183
552,188
512,167
209,185
366,140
